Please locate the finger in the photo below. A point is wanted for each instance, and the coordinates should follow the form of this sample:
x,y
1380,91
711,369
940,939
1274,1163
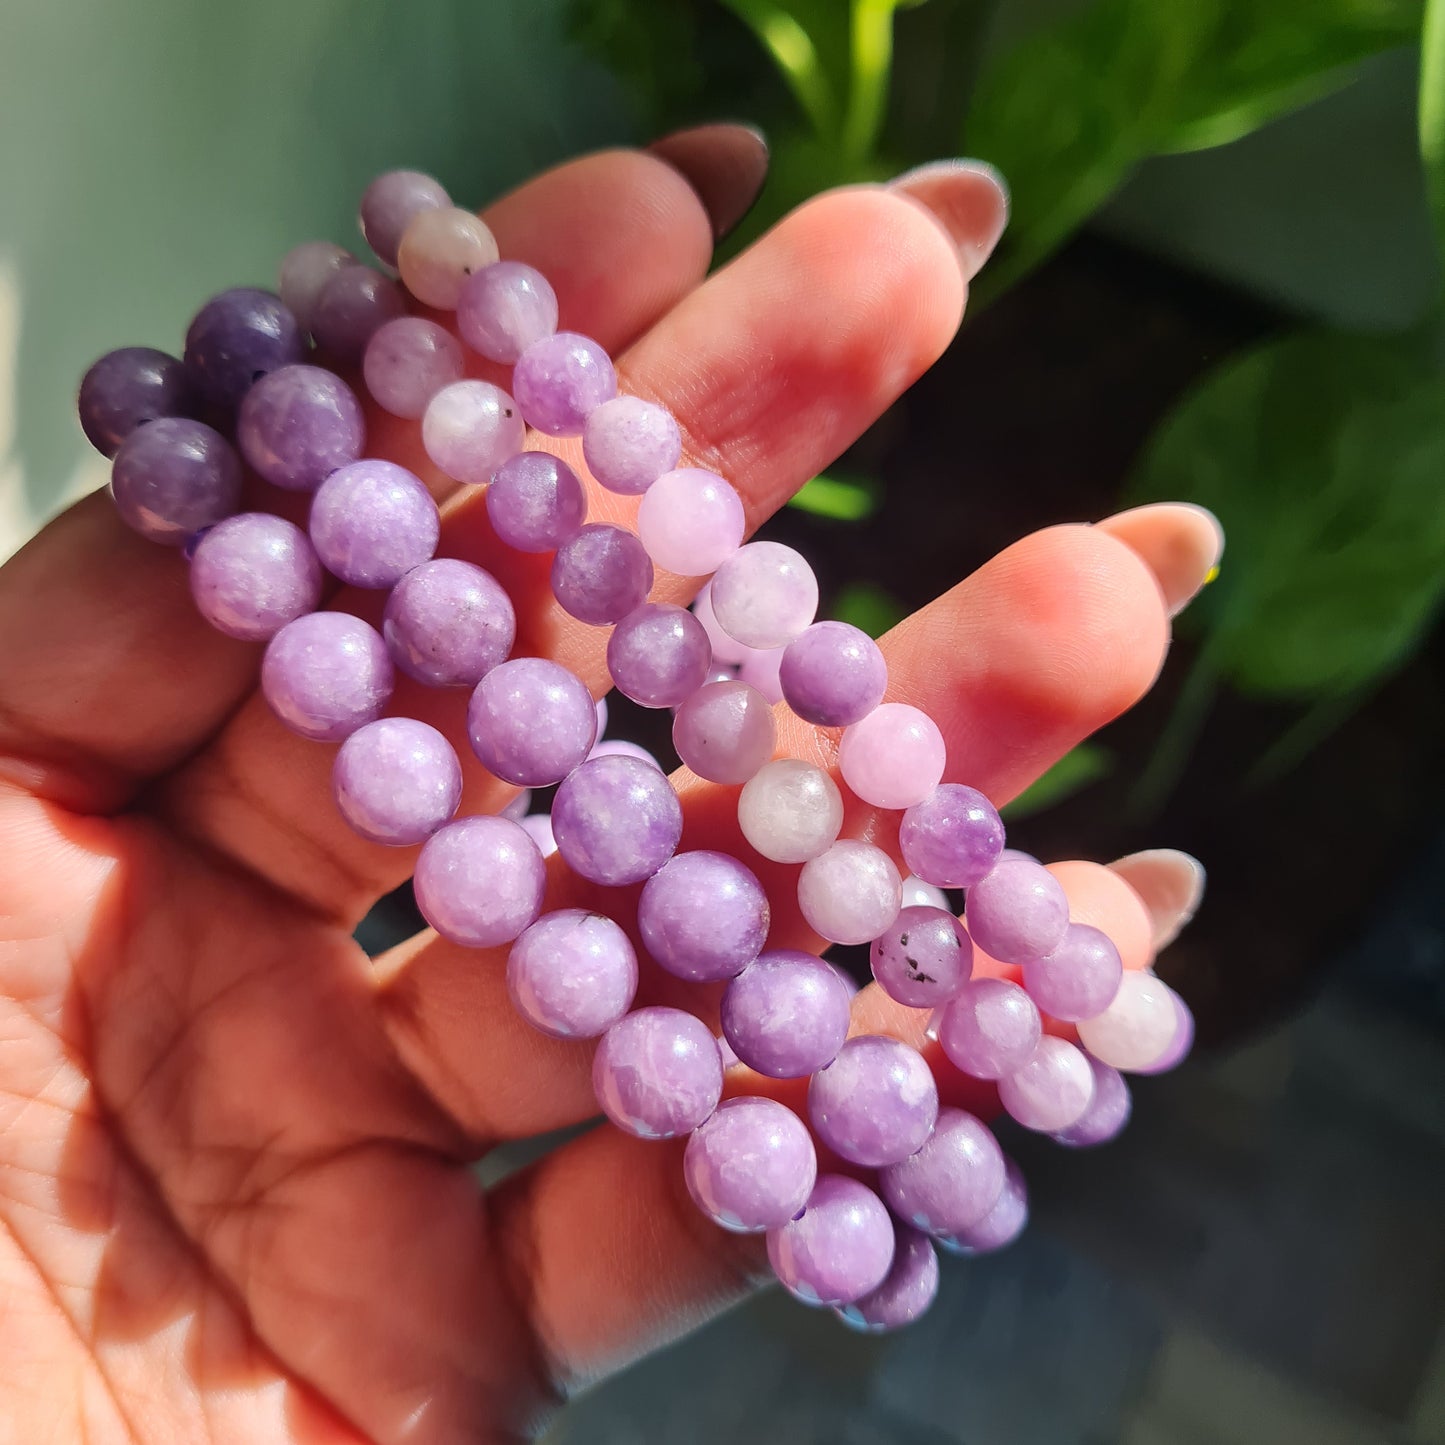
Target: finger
x,y
111,676
1170,884
1182,542
725,164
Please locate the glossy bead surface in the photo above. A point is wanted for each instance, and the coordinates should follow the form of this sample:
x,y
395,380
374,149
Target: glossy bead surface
x,y
1051,1091
989,1028
538,827
172,477
1018,912
504,308
531,721
691,521
396,781
470,428
408,360
560,380
372,522
907,1291
254,573
751,1166
851,893
790,811
1107,1114
923,958
657,1073
786,1015
441,247
448,623
1137,1028
352,307
894,757
127,388
479,881
601,573
658,655
536,502
840,1250
726,651
1079,978
236,338
876,1103
1001,1225
305,270
622,748
327,674
703,916
918,894
298,424
724,732
953,838
572,974
629,443
833,674
759,669
388,205
1183,1041
616,820
952,1182
764,595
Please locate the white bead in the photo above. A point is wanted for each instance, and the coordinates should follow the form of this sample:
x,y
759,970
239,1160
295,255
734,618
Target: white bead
x,y
1137,1028
851,893
790,811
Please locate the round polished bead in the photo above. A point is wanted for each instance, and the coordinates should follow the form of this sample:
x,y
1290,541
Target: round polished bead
x,y
600,707
839,1250
894,758
760,670
875,1103
172,477
617,820
622,748
572,974
407,362
536,502
751,1166
538,827
1079,978
388,205
918,894
326,674
127,388
236,338
470,428
1052,1090
629,443
448,623
479,881
690,521
790,811
441,247
703,916
504,308
923,959
764,595
519,807
560,380
372,522
989,1028
531,721
952,838
833,674
725,732
1139,1026
658,655
352,307
601,573
906,1293
396,781
298,424
1018,912
851,893
305,270
1183,1041
1001,1225
252,574
952,1182
657,1073
1106,1115
786,1015
726,651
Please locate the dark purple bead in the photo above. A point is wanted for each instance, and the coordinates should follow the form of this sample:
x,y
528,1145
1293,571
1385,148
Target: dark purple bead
x,y
129,387
173,477
236,338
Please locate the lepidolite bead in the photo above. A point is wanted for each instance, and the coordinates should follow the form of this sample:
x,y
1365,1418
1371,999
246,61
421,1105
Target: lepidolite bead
x,y
703,916
616,820
622,748
658,655
875,1104
918,894
305,270
629,443
441,247
572,974
760,670
786,1015
725,732
601,573
372,522
851,893
657,1073
1018,912
790,811
560,380
1107,1114
504,308
839,1250
388,205
1183,1041
953,838
726,651
536,502
448,623
252,574
691,521
236,338
531,721
174,476
764,595
298,424
989,1028
327,674
751,1166
470,428
1001,1225
894,757
1051,1091
1079,978
952,1182
408,361
396,781
479,881
127,388
923,959
833,674
909,1288
1138,1028
352,307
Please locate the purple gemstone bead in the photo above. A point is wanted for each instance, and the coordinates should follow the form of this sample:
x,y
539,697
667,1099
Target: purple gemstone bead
x,y
1002,1225
560,380
1179,1049
531,721
536,502
953,838
1106,1116
1053,1090
621,748
298,424
1079,979
389,203
572,974
989,1028
396,781
520,805
127,388
616,820
850,894
352,307
658,654
326,674
449,623
764,595
918,894
408,361
470,429
751,1166
629,443
691,521
839,1250
504,308
786,1015
923,959
479,881
725,732
1018,912
236,338
305,270
174,476
761,669
372,522
252,574
601,573
875,1103
833,674
703,916
726,652
905,1295
952,1182
538,827
657,1073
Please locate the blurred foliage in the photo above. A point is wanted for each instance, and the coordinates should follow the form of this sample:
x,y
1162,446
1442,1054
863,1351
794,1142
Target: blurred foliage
x,y
843,499
1432,114
868,606
1073,772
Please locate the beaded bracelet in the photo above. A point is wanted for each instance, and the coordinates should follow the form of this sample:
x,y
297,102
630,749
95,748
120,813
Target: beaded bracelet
x,y
1021,995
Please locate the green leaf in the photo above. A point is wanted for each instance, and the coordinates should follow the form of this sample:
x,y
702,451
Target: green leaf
x,y
868,606
809,43
1073,772
1432,114
844,499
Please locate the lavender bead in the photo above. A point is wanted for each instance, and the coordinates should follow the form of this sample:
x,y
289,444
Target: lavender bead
x,y
790,811
479,881
621,748
326,674
1053,1090
725,732
751,1166
657,1073
990,1028
875,1104
407,362
531,721
448,623
305,270
953,838
538,827
658,655
703,916
726,651
572,974
691,521
833,674
923,959
504,308
1106,1116
894,757
1139,1028
760,670
601,573
127,388
918,894
1183,1041
440,250
519,806
388,205
629,443
352,307
909,1289
1079,978
560,380
396,781
617,820
252,574
1018,912
786,1015
236,338
298,424
839,1250
372,522
952,1182
470,429
764,595
172,477
536,502
1001,1225
851,893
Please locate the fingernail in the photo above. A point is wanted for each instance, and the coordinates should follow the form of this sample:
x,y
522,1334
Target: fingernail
x,y
1181,542
970,201
724,162
1171,884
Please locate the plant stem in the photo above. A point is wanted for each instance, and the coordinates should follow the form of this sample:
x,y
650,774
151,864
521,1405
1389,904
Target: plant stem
x,y
872,57
795,55
1171,753
1432,114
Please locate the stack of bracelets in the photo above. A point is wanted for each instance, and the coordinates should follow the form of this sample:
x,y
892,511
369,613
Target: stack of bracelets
x,y
1022,996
